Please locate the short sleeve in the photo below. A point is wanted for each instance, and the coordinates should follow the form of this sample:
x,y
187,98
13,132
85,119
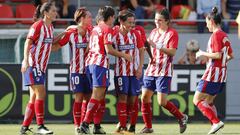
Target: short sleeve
x,y
142,33
227,43
65,39
107,37
173,41
230,51
217,43
34,31
140,43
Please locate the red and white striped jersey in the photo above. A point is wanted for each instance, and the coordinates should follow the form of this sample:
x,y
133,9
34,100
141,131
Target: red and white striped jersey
x,y
216,70
141,31
161,63
78,45
42,37
101,35
128,44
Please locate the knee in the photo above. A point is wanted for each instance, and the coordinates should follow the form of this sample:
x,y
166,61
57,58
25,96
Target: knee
x,y
41,95
78,98
32,98
162,102
145,99
122,98
195,101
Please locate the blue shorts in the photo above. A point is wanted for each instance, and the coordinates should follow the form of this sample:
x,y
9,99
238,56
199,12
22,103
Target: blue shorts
x,y
211,88
98,76
128,85
160,84
33,76
79,83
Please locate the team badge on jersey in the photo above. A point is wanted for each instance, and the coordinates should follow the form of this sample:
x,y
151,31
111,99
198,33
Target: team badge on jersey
x,y
48,40
81,45
126,47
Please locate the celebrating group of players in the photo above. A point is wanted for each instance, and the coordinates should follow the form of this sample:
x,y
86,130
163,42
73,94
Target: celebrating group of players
x,y
89,68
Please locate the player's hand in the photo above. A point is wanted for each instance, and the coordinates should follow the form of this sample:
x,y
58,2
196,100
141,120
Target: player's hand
x,y
128,57
138,73
199,54
25,65
151,43
155,45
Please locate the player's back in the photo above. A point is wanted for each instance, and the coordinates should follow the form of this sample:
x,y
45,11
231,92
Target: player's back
x,y
101,35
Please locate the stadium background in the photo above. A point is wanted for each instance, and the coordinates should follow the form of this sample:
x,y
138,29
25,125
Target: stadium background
x,y
12,39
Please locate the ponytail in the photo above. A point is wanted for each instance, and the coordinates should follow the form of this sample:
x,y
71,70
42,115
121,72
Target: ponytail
x,y
40,10
37,13
215,16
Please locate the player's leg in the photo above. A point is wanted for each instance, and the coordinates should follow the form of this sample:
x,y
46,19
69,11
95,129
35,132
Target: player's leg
x,y
77,104
163,88
122,88
210,101
208,90
132,109
77,86
146,99
215,127
29,113
97,129
133,102
146,109
100,80
36,84
39,108
85,101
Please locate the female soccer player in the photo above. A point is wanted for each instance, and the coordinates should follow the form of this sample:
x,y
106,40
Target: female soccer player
x,y
127,74
158,75
78,39
36,54
219,52
98,62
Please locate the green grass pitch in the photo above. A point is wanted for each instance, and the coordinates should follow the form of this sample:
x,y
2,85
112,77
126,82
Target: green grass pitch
x,y
230,128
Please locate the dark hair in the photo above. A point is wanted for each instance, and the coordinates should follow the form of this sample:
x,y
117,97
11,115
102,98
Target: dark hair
x,y
215,16
124,14
80,12
40,10
104,13
165,13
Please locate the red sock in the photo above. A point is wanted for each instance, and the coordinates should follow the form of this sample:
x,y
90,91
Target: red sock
x,y
91,109
77,113
29,113
147,114
122,114
39,109
173,110
83,110
100,113
134,113
207,111
214,109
